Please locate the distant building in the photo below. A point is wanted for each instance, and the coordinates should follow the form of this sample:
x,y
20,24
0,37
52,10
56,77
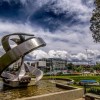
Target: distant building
x,y
52,64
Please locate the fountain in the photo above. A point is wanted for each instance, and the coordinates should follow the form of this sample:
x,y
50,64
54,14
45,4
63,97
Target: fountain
x,y
16,73
15,56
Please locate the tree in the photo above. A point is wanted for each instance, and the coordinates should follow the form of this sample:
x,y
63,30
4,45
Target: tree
x,y
91,69
95,22
70,66
97,67
78,68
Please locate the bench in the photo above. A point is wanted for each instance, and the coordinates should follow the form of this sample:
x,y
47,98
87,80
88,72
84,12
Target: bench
x,y
91,96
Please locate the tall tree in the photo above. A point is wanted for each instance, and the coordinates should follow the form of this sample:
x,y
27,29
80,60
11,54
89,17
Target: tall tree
x,y
70,66
97,67
95,22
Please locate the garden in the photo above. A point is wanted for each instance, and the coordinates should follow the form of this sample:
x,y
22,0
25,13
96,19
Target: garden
x,y
77,78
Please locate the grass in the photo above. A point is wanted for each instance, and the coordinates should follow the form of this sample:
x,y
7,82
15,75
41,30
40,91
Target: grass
x,y
77,78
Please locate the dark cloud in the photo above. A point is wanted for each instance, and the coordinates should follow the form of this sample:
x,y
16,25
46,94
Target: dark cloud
x,y
98,57
47,16
10,10
52,21
66,20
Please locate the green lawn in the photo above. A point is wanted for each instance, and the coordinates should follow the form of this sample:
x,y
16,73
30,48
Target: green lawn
x,y
77,78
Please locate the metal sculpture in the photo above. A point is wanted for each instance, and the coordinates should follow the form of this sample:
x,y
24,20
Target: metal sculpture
x,y
15,57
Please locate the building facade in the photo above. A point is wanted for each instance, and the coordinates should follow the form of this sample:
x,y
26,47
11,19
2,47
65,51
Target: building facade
x,y
50,64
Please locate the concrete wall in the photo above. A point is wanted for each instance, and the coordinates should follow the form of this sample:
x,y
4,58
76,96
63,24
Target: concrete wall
x,y
67,87
64,95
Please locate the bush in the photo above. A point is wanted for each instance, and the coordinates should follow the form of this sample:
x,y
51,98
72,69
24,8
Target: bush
x,y
95,90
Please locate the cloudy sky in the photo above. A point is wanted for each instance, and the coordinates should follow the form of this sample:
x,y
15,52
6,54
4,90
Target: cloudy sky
x,y
63,24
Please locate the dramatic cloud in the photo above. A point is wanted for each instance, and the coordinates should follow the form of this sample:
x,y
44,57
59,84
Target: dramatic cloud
x,y
58,54
38,54
63,25
85,57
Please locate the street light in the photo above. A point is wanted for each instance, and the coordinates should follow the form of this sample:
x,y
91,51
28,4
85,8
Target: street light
x,y
87,56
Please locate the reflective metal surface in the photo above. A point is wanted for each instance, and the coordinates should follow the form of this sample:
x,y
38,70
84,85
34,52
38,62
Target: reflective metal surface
x,y
24,46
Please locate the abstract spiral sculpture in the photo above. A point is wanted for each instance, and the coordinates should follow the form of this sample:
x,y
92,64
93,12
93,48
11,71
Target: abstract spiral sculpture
x,y
25,43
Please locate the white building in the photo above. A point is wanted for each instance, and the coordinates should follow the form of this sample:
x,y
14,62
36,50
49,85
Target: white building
x,y
52,63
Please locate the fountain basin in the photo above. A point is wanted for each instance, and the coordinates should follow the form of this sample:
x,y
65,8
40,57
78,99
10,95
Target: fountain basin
x,y
44,90
71,93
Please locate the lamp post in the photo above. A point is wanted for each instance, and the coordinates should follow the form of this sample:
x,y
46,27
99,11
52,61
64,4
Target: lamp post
x,y
87,56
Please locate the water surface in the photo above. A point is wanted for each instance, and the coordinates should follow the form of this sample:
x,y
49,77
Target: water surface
x,y
43,87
